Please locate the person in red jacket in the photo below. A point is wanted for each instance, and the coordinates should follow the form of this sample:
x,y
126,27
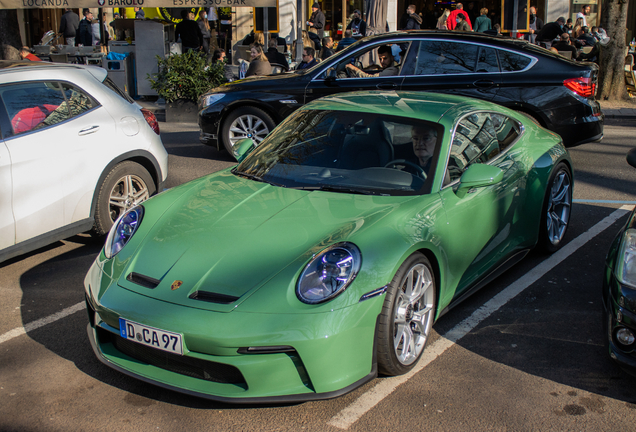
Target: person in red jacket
x,y
451,21
25,53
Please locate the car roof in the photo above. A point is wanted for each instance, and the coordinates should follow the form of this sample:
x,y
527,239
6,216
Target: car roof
x,y
412,104
467,36
20,66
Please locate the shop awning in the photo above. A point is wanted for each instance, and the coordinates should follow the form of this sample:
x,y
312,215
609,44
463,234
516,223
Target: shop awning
x,y
48,4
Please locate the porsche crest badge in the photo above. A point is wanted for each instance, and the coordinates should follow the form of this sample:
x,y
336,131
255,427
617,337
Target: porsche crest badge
x,y
176,284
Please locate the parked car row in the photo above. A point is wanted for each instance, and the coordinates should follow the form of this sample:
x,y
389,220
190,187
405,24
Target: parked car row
x,y
456,185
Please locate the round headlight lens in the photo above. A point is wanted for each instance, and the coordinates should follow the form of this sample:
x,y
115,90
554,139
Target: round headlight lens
x,y
329,273
122,231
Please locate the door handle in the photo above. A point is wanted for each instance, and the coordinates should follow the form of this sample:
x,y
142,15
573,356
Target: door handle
x,y
88,130
484,83
386,86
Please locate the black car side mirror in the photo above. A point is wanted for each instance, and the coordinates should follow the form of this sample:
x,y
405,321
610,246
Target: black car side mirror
x,y
631,157
332,74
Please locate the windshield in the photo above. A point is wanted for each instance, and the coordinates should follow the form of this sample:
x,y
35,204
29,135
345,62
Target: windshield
x,y
348,152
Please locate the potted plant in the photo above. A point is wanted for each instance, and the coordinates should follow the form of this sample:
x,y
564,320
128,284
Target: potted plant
x,y
182,79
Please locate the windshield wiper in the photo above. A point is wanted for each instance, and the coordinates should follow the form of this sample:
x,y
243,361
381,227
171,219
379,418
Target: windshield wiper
x,y
342,189
256,178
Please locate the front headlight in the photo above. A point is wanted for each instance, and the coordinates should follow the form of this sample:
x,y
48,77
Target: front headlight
x,y
208,100
329,273
626,271
122,231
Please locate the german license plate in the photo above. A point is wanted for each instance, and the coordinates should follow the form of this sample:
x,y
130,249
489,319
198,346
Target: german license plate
x,y
150,336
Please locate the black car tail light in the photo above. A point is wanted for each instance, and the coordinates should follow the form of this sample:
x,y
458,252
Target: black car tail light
x,y
151,120
581,86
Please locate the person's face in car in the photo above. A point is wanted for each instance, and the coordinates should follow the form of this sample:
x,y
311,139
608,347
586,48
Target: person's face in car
x,y
424,140
386,60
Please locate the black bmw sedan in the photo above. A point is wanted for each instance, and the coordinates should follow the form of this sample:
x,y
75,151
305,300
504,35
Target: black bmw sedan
x,y
558,93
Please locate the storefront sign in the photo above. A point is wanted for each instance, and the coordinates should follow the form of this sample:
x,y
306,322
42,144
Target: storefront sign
x,y
37,4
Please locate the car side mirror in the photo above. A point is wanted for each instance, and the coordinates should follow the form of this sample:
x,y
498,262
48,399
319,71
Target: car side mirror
x,y
332,74
631,157
242,148
478,175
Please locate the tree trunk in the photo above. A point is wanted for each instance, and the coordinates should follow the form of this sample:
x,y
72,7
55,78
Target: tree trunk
x,y
611,82
9,29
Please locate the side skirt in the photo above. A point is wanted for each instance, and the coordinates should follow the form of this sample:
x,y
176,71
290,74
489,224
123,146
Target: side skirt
x,y
511,261
46,239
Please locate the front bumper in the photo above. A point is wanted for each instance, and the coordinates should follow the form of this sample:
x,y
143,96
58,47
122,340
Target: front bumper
x,y
332,353
618,314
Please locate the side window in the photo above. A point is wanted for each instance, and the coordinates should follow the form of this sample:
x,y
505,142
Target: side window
x,y
507,130
511,62
379,60
475,141
487,60
443,57
36,105
33,106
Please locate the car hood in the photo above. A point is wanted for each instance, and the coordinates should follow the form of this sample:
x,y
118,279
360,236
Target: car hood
x,y
227,236
272,83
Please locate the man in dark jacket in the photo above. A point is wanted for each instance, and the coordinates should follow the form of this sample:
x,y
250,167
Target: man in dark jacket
x,y
69,24
274,56
316,21
189,31
327,48
414,21
551,31
564,45
85,28
309,60
357,25
345,41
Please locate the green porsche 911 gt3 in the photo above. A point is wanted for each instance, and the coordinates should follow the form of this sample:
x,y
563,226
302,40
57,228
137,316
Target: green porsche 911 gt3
x,y
325,256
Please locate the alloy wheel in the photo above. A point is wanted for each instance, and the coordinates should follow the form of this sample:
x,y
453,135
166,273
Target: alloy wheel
x,y
413,314
559,205
248,126
129,191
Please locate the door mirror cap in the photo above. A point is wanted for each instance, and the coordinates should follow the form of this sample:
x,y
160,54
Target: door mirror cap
x,y
242,148
480,175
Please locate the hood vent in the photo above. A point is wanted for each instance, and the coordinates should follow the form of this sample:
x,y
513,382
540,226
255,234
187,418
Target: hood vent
x,y
143,280
213,297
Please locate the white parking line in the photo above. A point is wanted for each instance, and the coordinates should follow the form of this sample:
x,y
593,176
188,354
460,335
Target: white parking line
x,y
33,325
345,418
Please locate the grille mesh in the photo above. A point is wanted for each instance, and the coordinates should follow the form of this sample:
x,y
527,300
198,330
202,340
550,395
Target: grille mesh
x,y
196,368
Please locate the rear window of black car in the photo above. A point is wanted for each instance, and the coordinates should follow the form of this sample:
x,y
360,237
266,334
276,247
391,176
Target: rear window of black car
x,y
444,57
512,62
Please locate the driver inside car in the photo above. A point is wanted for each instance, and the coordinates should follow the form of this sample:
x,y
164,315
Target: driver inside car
x,y
387,65
424,140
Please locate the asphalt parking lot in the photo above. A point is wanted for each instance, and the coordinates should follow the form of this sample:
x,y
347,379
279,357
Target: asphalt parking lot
x,y
525,353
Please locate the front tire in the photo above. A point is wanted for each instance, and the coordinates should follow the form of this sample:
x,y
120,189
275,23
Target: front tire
x,y
555,215
407,316
125,186
245,122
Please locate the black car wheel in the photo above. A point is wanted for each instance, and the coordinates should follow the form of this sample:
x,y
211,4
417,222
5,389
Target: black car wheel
x,y
127,185
407,316
555,216
245,122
